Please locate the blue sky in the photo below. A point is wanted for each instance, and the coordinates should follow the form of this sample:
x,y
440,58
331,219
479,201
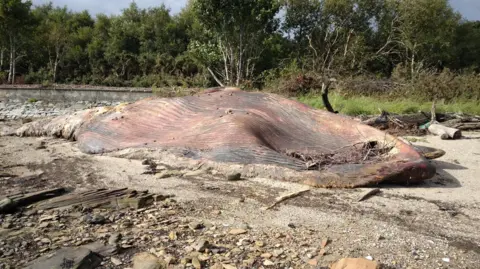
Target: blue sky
x,y
470,9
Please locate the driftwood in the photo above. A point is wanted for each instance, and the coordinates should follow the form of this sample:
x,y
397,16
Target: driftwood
x,y
280,199
445,132
465,126
408,119
447,126
367,194
58,198
12,202
119,198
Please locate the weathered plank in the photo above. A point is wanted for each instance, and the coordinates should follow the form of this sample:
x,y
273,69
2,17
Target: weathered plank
x,y
117,198
12,202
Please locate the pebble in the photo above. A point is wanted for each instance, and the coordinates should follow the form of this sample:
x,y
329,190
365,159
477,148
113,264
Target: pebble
x,y
268,263
200,245
116,261
266,255
237,231
195,225
114,239
234,177
94,219
228,266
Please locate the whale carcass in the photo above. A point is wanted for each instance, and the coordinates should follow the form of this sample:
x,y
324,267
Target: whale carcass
x,y
250,128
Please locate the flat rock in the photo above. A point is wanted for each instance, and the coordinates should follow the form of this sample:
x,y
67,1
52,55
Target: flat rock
x,y
350,263
79,258
237,231
146,260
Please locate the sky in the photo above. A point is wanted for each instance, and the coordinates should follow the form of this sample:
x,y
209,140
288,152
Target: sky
x,y
470,9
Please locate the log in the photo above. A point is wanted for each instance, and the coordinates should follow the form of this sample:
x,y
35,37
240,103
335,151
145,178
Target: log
x,y
445,132
463,126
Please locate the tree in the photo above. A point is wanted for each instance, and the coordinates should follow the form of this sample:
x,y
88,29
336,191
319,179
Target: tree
x,y
240,28
467,46
15,24
426,32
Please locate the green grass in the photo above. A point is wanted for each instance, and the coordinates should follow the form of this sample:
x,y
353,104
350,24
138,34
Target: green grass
x,y
355,106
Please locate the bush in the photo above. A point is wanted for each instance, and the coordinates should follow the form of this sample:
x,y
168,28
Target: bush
x,y
38,77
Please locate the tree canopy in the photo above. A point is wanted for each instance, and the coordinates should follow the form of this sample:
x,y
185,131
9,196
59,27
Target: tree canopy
x,y
235,42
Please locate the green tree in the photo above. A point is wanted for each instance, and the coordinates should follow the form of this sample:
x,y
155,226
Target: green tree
x,y
425,32
240,28
16,25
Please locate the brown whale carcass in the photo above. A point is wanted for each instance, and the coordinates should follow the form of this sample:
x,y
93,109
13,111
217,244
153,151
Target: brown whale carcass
x,y
234,126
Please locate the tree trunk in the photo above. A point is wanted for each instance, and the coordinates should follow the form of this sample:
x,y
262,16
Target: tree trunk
x,y
55,64
14,65
1,59
10,70
240,59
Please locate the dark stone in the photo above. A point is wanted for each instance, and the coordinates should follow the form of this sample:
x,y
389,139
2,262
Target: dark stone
x,y
68,258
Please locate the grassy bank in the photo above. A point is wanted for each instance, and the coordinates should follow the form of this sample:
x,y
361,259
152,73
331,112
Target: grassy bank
x,y
356,106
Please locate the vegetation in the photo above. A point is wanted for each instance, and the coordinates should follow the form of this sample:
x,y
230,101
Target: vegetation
x,y
382,49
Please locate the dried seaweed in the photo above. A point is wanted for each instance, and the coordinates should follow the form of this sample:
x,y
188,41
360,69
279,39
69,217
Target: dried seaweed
x,y
361,153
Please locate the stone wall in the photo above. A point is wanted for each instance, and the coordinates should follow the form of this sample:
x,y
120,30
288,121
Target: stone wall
x,y
74,94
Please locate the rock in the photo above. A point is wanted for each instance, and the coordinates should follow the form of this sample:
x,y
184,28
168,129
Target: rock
x,y
313,262
195,173
116,261
172,235
114,239
45,241
325,242
259,243
268,263
200,245
40,145
196,263
277,252
237,231
44,225
228,266
146,260
7,225
351,263
234,177
94,219
195,225
68,258
266,255
99,248
171,173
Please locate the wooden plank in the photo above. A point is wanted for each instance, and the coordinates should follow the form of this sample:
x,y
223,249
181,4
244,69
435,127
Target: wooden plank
x,y
11,203
118,198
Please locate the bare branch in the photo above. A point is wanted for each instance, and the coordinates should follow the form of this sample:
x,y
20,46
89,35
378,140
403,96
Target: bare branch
x,y
215,77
